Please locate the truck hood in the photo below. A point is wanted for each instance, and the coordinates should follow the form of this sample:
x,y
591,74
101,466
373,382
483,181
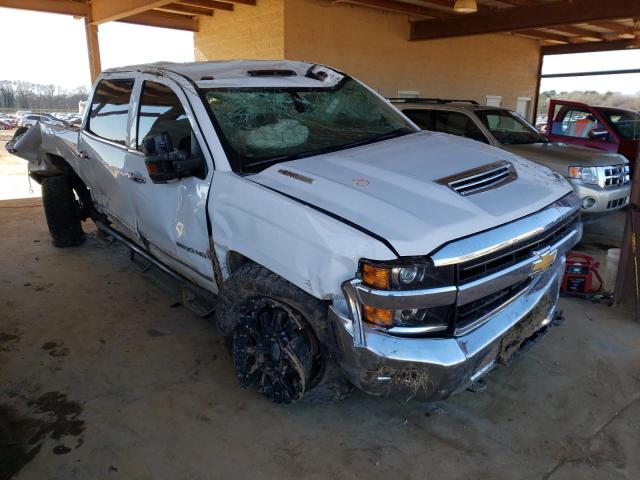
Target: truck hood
x,y
560,156
390,189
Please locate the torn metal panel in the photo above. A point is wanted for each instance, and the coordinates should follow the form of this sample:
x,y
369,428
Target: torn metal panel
x,y
41,144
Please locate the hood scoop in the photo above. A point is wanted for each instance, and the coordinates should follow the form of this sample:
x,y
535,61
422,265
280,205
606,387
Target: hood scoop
x,y
480,179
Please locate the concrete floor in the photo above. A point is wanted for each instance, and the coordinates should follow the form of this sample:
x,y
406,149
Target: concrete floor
x,y
104,375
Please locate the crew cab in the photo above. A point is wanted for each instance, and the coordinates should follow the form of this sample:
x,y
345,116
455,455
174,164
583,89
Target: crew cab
x,y
610,129
338,243
601,179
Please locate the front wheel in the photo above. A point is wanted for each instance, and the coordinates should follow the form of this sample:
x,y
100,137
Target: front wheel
x,y
278,338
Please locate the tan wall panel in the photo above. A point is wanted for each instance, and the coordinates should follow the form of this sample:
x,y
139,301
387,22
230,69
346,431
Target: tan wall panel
x,y
248,32
373,46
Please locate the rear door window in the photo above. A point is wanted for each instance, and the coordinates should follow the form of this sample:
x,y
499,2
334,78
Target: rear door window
x,y
109,111
454,123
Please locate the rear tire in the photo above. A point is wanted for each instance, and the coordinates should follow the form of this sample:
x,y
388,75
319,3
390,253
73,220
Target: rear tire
x,y
278,337
62,211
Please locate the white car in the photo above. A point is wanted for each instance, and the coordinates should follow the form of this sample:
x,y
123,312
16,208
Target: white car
x,y
336,240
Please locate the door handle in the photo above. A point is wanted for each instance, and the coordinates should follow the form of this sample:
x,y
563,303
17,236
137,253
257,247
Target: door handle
x,y
136,177
84,155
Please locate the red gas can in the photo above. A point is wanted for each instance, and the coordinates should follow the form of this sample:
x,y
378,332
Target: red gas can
x,y
579,274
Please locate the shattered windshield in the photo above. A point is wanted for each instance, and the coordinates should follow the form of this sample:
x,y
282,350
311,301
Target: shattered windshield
x,y
626,123
509,128
263,126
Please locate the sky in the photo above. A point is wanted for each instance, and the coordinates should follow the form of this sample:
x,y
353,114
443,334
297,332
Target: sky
x,y
26,58
32,35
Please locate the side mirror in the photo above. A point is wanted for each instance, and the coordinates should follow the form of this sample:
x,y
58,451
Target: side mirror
x,y
166,163
599,134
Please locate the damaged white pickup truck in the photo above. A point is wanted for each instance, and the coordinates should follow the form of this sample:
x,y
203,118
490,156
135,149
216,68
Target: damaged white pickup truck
x,y
340,241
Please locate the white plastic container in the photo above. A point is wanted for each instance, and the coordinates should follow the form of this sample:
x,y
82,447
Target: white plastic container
x,y
613,258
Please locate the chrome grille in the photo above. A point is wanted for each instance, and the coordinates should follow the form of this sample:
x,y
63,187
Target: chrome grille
x,y
500,260
480,179
613,176
469,313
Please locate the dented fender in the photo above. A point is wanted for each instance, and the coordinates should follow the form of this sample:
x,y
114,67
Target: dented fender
x,y
308,248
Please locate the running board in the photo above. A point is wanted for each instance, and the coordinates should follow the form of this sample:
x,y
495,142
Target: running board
x,y
197,299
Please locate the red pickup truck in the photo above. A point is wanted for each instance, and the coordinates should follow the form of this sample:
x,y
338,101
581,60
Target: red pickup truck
x,y
606,128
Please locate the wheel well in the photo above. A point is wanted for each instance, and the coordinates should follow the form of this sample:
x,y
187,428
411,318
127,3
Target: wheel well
x,y
235,260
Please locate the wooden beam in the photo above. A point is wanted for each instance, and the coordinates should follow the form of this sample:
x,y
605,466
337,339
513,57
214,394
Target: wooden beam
x,y
185,9
164,20
589,47
109,10
210,4
554,37
544,15
76,9
400,7
243,2
93,47
519,3
615,27
579,32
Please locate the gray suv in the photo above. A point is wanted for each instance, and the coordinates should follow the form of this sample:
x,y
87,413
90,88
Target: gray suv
x,y
601,179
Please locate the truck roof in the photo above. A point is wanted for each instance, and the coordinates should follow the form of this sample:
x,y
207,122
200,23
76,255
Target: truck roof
x,y
237,72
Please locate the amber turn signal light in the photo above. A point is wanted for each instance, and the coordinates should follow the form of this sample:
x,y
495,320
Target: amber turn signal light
x,y
375,276
377,316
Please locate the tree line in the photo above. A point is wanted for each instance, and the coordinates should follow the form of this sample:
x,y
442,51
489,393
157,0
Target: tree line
x,y
22,95
591,97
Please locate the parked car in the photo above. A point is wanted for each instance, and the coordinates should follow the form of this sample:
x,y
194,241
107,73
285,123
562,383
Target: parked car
x,y
5,124
334,238
30,119
8,119
601,179
604,128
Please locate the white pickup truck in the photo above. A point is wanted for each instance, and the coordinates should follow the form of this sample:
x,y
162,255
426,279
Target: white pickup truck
x,y
338,240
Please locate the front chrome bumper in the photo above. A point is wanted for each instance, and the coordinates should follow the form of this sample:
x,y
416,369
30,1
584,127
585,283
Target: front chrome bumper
x,y
434,368
381,362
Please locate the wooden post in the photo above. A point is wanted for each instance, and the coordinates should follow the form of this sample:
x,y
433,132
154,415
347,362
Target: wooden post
x,y
93,47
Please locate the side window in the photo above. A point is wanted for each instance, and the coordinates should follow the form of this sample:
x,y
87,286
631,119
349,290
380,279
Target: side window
x,y
422,118
458,124
573,122
110,110
160,112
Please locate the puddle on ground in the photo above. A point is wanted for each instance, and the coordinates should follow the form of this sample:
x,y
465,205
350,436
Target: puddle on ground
x,y
22,433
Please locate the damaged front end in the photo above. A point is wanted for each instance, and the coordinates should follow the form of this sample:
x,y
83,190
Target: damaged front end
x,y
48,149
495,314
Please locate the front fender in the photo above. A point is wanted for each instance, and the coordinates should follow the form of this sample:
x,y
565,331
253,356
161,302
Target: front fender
x,y
308,248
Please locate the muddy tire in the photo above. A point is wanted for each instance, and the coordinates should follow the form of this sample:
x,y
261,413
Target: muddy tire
x,y
62,211
278,337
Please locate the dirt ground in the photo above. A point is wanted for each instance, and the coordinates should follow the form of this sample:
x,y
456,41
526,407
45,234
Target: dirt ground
x,y
104,375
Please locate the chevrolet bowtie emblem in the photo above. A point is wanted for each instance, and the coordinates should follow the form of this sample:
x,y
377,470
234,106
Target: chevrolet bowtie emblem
x,y
545,259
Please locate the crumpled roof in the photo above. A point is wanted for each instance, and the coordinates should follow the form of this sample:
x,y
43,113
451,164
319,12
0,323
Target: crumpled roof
x,y
234,73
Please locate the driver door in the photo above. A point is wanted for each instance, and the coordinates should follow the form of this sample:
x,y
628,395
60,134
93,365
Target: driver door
x,y
171,217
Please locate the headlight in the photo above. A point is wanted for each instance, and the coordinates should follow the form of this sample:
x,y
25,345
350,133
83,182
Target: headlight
x,y
405,275
588,175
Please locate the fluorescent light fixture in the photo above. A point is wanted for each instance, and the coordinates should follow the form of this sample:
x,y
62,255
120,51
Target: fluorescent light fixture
x,y
465,6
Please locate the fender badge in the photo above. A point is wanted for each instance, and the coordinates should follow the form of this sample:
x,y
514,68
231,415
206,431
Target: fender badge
x,y
545,259
361,182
